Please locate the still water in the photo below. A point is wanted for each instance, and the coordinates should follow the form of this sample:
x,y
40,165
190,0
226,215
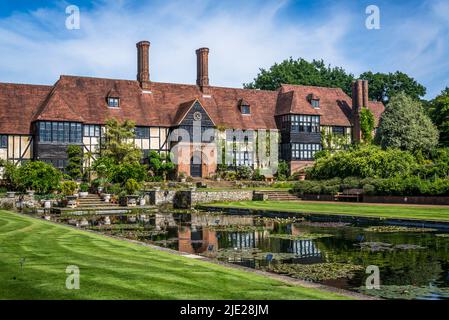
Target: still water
x,y
412,265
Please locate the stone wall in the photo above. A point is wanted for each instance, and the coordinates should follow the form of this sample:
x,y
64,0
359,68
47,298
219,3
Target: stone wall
x,y
160,196
187,199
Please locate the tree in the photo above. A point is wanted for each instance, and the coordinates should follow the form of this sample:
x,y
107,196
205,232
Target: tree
x,y
118,145
38,176
404,125
383,86
75,161
439,112
366,124
160,165
302,72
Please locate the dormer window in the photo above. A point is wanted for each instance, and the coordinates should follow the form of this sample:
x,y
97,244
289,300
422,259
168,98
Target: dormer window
x,y
314,100
113,102
246,109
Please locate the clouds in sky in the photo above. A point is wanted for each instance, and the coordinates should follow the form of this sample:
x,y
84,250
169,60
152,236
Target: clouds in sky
x,y
242,36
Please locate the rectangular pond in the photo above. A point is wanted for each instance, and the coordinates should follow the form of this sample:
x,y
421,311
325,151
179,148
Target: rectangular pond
x,y
413,262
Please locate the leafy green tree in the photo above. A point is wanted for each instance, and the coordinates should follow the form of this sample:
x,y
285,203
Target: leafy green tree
x,y
38,176
283,170
383,86
405,125
302,72
439,112
75,161
366,124
118,143
160,164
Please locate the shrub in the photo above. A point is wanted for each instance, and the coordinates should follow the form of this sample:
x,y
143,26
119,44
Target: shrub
x,y
230,175
350,183
84,187
38,176
307,187
244,172
132,186
257,176
68,188
283,170
126,171
75,161
362,162
369,189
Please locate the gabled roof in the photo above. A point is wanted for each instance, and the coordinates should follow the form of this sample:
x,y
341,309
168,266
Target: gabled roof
x,y
335,105
377,108
18,104
56,108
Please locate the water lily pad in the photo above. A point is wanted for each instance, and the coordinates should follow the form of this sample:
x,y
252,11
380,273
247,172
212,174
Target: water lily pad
x,y
442,235
248,253
318,271
407,292
382,246
302,236
388,229
325,224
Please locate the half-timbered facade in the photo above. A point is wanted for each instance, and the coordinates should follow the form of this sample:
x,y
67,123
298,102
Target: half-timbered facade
x,y
202,125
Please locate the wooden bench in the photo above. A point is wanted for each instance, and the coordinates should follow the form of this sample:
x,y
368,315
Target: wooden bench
x,y
349,194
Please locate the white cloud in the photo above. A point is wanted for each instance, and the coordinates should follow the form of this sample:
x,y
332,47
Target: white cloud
x,y
36,48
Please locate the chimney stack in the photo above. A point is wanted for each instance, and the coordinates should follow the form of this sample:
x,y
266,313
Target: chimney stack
x,y
143,62
202,67
359,100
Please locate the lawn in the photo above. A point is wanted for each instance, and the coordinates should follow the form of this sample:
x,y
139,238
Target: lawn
x,y
117,269
439,213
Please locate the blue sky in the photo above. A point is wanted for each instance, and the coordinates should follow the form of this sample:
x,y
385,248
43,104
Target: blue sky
x,y
35,46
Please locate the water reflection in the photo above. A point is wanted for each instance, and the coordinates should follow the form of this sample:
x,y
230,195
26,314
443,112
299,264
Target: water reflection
x,y
249,241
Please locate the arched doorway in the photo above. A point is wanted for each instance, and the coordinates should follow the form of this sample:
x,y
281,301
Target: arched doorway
x,y
196,168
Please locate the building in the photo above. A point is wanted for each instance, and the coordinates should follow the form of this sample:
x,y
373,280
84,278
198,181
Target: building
x,y
237,126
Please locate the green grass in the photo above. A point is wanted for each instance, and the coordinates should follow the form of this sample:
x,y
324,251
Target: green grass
x,y
362,210
116,269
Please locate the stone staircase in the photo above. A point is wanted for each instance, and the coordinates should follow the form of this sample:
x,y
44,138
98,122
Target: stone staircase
x,y
93,201
279,195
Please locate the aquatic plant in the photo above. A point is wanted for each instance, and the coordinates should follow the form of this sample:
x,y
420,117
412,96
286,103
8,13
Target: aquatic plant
x,y
249,253
442,235
382,246
302,236
236,228
325,224
316,272
387,229
407,292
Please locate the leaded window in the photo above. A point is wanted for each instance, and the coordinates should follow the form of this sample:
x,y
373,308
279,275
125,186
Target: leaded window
x,y
91,130
300,123
3,141
62,132
142,132
305,151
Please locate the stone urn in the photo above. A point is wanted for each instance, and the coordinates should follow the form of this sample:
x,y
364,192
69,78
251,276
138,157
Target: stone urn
x,y
142,201
107,220
10,194
83,194
132,201
47,204
84,223
107,197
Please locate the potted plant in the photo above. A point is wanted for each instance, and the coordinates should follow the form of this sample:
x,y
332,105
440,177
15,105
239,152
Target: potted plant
x,y
132,187
182,177
68,189
83,190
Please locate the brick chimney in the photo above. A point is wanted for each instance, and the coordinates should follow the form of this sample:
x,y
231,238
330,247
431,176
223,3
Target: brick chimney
x,y
359,100
202,67
143,63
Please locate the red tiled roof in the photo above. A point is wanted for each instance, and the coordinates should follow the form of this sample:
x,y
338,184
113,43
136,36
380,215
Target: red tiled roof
x,y
18,104
335,105
83,99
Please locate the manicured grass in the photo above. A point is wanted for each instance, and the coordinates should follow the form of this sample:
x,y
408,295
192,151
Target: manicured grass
x,y
440,213
117,269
